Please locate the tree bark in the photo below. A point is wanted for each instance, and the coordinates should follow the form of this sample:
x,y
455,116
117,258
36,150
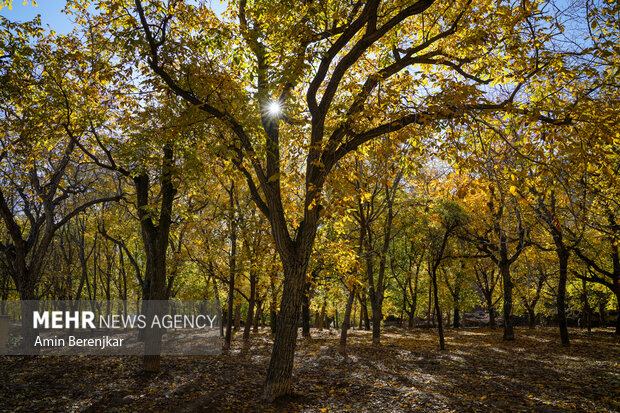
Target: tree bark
x,y
442,345
563,256
305,311
257,316
531,316
279,373
457,318
232,267
617,292
250,318
347,320
507,281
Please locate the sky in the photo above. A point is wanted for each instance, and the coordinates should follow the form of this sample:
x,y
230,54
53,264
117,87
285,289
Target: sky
x,y
52,16
50,11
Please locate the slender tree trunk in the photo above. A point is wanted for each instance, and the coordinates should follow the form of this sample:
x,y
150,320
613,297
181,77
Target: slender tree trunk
x,y
250,318
442,345
376,321
586,311
563,256
364,309
232,267
321,315
257,316
430,304
507,281
347,320
617,292
237,325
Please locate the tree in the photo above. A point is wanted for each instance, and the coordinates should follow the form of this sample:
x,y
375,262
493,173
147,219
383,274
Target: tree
x,y
346,54
46,107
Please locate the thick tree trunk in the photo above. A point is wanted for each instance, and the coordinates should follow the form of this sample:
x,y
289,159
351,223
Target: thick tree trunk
x,y
457,318
279,374
410,316
27,296
531,316
563,256
155,307
507,281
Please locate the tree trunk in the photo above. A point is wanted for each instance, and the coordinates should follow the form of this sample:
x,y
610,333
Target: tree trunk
x,y
232,267
305,311
563,256
457,318
237,325
279,374
321,319
376,322
507,281
347,320
257,315
250,318
410,316
364,311
491,311
617,292
27,297
442,345
531,316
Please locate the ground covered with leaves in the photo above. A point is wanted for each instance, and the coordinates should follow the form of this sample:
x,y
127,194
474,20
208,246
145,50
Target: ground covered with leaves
x,y
477,372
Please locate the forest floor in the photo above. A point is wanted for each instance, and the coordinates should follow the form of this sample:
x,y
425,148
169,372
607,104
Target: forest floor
x,y
407,372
